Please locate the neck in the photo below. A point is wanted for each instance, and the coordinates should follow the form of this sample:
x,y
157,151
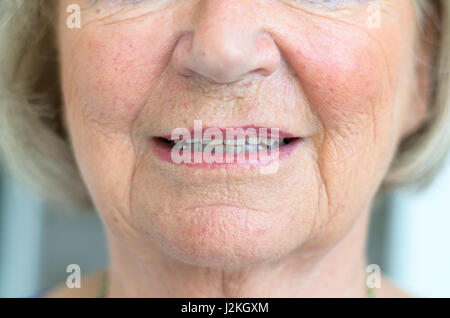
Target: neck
x,y
338,271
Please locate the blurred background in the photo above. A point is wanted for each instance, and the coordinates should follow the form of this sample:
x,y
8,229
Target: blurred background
x,y
409,239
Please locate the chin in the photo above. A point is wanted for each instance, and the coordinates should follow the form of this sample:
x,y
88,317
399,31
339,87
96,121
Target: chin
x,y
224,237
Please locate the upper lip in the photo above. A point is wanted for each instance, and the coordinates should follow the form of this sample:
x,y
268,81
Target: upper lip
x,y
268,132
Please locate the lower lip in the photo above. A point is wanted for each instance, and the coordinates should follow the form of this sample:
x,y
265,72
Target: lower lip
x,y
200,159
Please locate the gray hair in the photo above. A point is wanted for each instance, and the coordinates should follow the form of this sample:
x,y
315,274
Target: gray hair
x,y
37,150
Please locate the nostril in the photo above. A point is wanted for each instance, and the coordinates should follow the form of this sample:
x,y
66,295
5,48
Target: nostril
x,y
263,72
186,72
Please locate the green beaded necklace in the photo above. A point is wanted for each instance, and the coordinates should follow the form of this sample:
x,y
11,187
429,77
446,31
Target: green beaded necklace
x,y
103,291
370,292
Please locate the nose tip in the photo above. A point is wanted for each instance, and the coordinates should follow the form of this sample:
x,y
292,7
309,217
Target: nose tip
x,y
227,56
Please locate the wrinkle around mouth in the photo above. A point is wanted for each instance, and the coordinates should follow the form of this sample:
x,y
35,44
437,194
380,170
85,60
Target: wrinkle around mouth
x,y
227,205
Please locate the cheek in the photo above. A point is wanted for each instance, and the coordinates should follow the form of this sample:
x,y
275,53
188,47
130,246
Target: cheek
x,y
348,80
113,73
350,77
108,74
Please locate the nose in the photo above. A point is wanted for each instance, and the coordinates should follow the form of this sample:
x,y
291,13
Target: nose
x,y
226,44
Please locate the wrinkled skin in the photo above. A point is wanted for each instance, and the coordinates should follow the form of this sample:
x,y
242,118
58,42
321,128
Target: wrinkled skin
x,y
134,71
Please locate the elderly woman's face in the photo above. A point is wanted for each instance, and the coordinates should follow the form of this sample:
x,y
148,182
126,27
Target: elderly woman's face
x,y
340,87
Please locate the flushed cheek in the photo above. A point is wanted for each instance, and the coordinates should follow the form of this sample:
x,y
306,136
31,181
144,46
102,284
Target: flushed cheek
x,y
350,77
345,76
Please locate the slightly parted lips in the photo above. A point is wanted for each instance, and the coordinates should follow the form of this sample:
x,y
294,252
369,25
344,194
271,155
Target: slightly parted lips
x,y
226,145
238,145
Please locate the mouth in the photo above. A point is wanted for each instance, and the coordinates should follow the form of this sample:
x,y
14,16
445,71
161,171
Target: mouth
x,y
240,149
226,146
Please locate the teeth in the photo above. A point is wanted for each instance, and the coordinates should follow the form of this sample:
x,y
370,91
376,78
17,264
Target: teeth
x,y
212,141
251,148
269,141
241,141
218,149
193,141
252,141
230,149
240,149
238,146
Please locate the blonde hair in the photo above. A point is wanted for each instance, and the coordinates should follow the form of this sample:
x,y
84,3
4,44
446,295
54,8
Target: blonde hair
x,y
33,143
421,155
36,149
